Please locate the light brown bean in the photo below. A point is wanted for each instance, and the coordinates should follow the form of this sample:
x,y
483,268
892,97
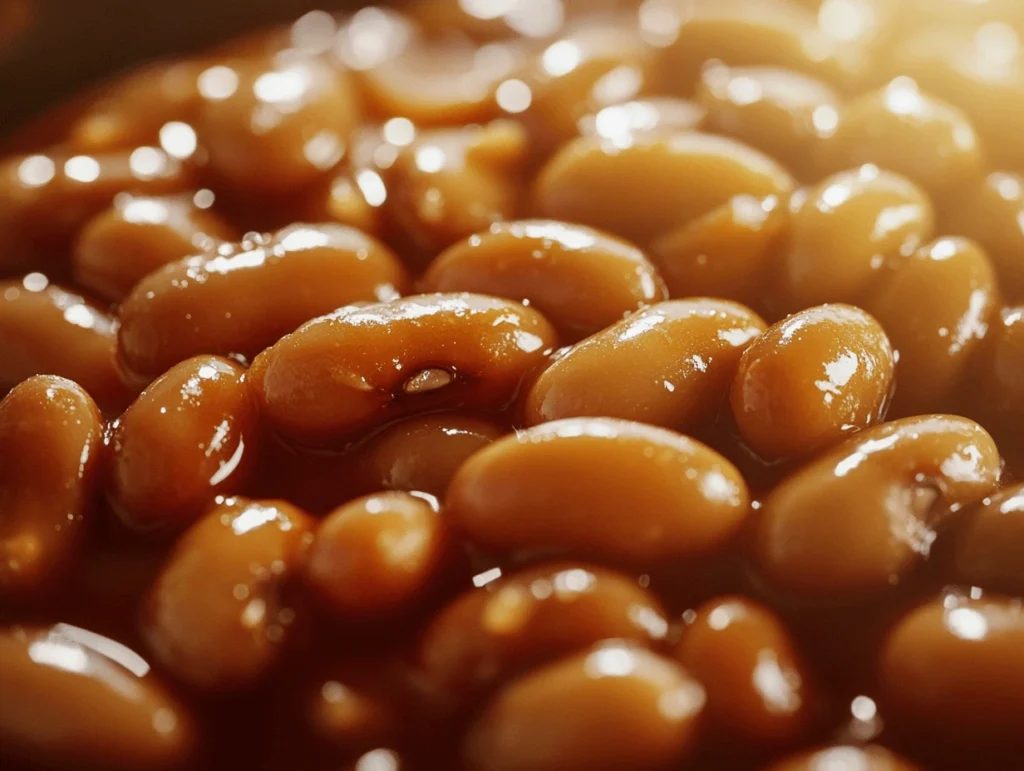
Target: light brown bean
x,y
669,365
988,542
602,488
861,517
623,123
998,395
362,367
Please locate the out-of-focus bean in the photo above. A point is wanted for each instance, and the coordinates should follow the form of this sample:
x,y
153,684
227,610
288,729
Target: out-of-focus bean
x,y
997,394
844,758
622,123
989,541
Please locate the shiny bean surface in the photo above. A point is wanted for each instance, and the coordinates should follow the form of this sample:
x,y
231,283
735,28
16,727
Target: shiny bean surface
x,y
999,396
621,123
812,379
599,487
845,758
360,367
989,541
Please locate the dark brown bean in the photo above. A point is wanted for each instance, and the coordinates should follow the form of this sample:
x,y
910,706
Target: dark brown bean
x,y
998,393
989,541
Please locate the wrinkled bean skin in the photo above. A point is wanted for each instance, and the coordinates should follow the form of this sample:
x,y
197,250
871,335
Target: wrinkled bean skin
x,y
532,617
120,246
667,366
812,379
859,518
51,448
601,488
245,300
845,758
998,396
843,231
376,555
241,559
362,367
733,647
937,339
190,436
614,707
582,280
48,330
73,701
989,541
957,660
654,185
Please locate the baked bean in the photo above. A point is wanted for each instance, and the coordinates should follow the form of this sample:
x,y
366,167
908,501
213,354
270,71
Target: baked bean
x,y
999,395
47,330
422,453
614,707
953,12
376,555
532,617
725,253
859,518
668,365
759,690
599,487
139,234
581,279
294,115
935,339
912,133
240,559
653,185
622,123
241,301
75,700
843,231
989,542
844,758
812,379
958,661
528,18
786,114
361,367
190,436
51,445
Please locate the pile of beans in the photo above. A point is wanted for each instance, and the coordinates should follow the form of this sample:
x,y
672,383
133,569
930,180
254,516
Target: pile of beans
x,y
534,385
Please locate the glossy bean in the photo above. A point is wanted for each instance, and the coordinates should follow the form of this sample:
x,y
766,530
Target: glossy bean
x,y
669,366
812,379
51,449
998,395
361,367
582,280
623,123
844,758
859,518
190,436
604,488
243,300
988,542
241,559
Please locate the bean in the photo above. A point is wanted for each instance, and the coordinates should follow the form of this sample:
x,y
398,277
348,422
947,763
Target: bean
x,y
240,559
624,123
532,617
74,699
988,543
361,367
812,379
844,758
604,488
190,437
244,300
581,279
998,395
937,339
668,365
48,330
759,691
614,707
859,518
377,555
137,235
51,447
654,185
958,661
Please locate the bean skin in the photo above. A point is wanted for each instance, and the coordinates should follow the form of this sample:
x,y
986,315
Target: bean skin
x,y
76,700
623,123
51,449
602,488
532,617
667,365
189,437
241,559
998,395
812,379
845,758
614,707
362,367
581,279
243,300
859,518
988,542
